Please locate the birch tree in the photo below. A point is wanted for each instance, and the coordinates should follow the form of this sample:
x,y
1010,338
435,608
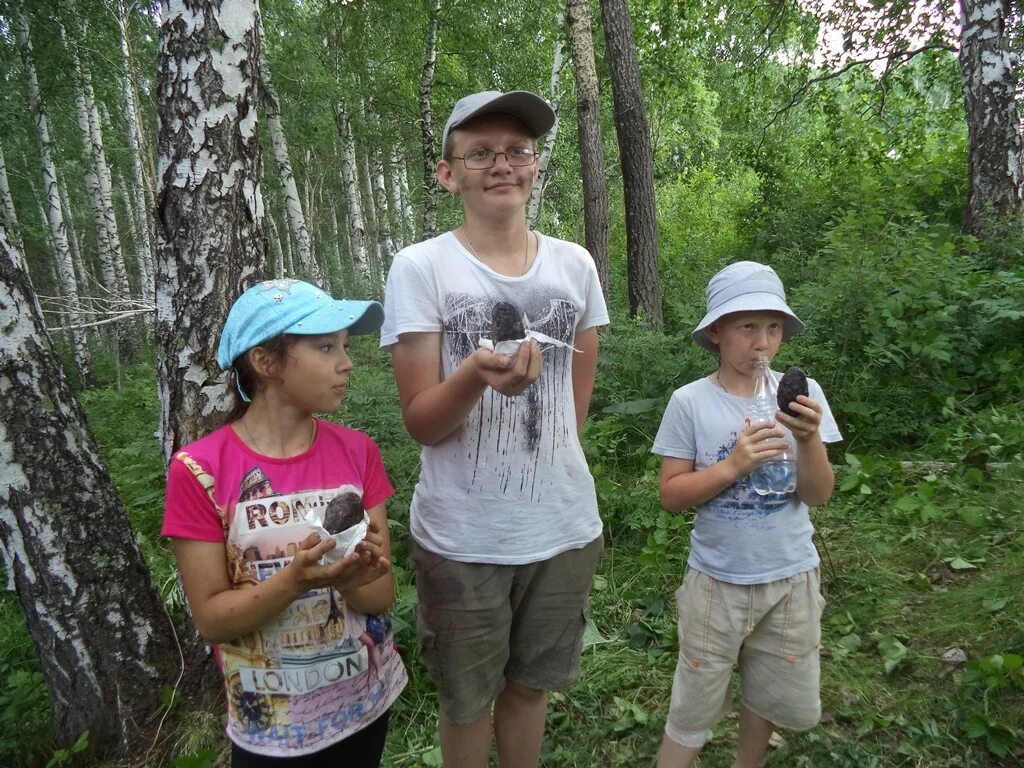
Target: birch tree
x,y
637,161
103,638
54,214
588,129
292,204
209,207
8,214
353,203
991,42
427,124
140,192
555,100
399,220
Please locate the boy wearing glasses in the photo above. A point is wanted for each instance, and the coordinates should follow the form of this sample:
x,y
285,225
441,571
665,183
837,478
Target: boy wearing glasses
x,y
504,521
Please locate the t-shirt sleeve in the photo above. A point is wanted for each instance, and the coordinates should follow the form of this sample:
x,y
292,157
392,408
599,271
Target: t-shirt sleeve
x,y
376,486
596,311
410,305
189,512
675,436
828,429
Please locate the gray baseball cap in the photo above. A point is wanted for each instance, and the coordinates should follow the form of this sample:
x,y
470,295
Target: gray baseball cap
x,y
536,114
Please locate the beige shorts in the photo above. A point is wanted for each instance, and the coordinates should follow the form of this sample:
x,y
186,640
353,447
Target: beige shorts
x,y
772,630
481,624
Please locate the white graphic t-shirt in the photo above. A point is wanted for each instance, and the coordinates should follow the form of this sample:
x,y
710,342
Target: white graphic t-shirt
x,y
738,536
511,485
320,671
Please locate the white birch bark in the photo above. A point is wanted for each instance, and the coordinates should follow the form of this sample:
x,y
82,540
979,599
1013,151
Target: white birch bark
x,y
388,245
74,243
54,216
350,181
367,196
276,251
210,214
335,235
98,178
292,204
140,202
399,232
991,39
430,183
402,170
555,100
139,230
8,214
104,641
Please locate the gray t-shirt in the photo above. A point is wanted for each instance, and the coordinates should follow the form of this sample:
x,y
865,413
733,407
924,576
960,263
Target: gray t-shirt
x,y
511,485
738,537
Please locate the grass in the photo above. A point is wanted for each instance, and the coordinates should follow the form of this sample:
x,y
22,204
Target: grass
x,y
913,565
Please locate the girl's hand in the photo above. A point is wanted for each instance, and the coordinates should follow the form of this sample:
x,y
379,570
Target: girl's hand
x,y
363,566
756,444
804,425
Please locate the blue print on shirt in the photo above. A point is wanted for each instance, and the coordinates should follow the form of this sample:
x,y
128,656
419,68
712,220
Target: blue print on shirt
x,y
739,503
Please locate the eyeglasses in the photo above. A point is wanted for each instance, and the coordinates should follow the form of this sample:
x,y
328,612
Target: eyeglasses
x,y
481,159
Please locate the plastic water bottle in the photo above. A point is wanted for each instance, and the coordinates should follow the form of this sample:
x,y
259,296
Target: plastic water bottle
x,y
776,475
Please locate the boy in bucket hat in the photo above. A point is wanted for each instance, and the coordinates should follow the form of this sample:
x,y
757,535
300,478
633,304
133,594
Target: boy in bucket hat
x,y
493,333
750,595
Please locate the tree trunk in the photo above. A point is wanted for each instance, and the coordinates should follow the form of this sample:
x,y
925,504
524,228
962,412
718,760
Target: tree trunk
x,y
427,125
292,204
8,214
98,178
990,60
537,194
54,216
210,242
398,221
83,279
374,249
278,268
139,197
588,122
356,227
102,635
637,160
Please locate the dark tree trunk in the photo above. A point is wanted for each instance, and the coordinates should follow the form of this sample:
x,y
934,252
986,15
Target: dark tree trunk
x,y
637,160
991,39
103,638
209,226
426,122
588,122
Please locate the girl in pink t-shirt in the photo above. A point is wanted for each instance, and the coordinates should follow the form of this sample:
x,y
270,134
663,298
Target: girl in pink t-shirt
x,y
281,537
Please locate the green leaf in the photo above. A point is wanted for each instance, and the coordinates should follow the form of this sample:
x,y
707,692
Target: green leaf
x,y
892,651
959,564
995,604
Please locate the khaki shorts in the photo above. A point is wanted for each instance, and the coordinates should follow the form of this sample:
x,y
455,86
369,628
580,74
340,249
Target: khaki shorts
x,y
481,624
772,630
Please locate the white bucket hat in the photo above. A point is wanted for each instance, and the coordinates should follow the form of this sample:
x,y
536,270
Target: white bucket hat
x,y
745,286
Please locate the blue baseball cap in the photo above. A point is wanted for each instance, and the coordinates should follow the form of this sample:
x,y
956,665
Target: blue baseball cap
x,y
273,307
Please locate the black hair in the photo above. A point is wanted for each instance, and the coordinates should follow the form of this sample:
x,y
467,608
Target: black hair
x,y
242,374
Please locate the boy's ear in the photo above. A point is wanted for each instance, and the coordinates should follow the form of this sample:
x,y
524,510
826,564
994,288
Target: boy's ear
x,y
446,177
712,332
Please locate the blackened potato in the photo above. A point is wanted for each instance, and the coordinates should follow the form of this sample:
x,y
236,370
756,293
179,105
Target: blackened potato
x,y
506,325
793,384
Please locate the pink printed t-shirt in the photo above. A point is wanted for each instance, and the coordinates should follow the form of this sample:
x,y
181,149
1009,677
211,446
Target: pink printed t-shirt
x,y
320,671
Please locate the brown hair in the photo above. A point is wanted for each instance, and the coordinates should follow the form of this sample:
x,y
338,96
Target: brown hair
x,y
243,374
